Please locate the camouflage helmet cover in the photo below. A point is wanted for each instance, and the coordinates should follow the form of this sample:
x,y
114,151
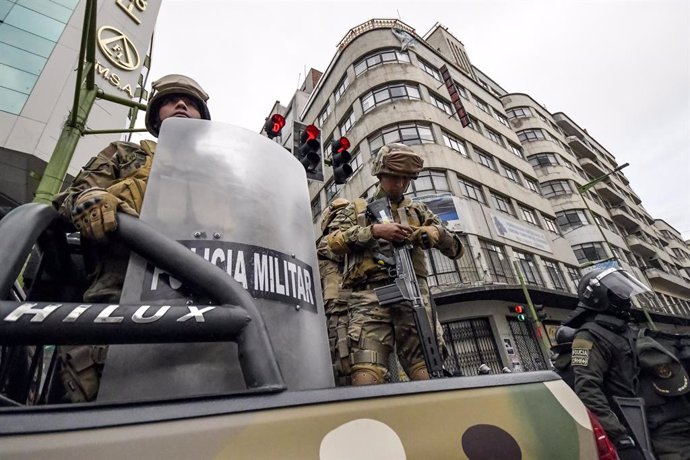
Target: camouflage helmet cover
x,y
397,160
174,84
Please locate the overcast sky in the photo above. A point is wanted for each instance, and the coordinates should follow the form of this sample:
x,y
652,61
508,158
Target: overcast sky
x,y
620,69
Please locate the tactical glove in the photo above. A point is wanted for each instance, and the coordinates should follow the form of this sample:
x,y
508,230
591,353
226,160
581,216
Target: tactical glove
x,y
94,212
426,236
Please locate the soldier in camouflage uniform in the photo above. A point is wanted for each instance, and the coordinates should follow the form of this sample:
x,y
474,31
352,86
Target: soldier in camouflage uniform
x,y
374,330
115,180
335,298
604,361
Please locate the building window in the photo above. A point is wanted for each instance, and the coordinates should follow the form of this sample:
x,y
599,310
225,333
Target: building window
x,y
441,104
486,159
517,151
494,136
428,68
27,38
532,185
550,224
472,190
342,86
442,270
356,162
324,114
501,118
531,135
497,262
378,58
573,274
511,174
389,93
543,159
541,117
528,215
455,144
589,252
503,204
347,124
474,124
316,207
461,90
556,188
519,112
430,182
555,274
406,133
529,268
482,105
332,190
571,219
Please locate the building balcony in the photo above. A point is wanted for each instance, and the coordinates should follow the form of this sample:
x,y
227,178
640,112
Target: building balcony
x,y
609,193
592,167
670,282
634,196
622,218
580,147
640,246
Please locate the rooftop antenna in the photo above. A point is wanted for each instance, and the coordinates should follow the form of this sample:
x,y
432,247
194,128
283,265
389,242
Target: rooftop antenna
x,y
398,11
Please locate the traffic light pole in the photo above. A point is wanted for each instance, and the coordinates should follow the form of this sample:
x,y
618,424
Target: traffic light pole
x,y
534,319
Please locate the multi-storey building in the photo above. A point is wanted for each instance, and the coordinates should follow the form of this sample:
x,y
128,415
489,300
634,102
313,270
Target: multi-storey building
x,y
39,52
510,182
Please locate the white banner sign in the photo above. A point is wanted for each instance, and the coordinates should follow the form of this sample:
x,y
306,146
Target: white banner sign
x,y
514,230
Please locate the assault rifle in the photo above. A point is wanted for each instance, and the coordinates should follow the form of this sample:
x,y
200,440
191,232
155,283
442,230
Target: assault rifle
x,y
406,288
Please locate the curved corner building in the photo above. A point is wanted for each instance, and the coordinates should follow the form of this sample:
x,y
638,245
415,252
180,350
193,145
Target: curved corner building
x,y
509,181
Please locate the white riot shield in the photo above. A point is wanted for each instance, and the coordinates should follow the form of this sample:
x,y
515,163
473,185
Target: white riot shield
x,y
241,202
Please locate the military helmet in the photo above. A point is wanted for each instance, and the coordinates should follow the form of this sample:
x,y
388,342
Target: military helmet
x,y
397,160
174,84
610,289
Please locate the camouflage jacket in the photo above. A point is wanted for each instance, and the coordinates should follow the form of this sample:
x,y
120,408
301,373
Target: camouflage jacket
x,y
120,163
350,236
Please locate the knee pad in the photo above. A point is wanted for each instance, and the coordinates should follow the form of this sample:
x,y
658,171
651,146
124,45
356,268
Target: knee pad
x,y
365,374
419,371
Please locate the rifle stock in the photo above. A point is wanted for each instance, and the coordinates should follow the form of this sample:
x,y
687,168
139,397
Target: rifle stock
x,y
406,288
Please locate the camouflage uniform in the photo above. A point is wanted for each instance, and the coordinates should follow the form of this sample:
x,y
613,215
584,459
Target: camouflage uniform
x,y
118,174
334,298
374,330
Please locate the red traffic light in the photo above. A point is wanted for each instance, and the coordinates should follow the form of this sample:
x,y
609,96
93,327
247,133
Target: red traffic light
x,y
274,124
310,133
518,309
340,145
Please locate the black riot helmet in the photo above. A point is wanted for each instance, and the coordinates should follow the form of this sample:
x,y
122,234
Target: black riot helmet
x,y
610,290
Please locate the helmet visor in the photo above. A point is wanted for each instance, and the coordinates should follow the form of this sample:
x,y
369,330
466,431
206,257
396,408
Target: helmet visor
x,y
622,283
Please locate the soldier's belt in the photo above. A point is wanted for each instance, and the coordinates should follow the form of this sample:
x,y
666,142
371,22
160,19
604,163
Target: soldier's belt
x,y
373,285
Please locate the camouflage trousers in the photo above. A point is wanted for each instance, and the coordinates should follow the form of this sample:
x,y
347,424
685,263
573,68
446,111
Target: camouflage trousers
x,y
337,320
671,441
374,331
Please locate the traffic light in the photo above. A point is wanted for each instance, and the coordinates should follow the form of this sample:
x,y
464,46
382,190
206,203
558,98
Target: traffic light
x,y
274,124
307,149
340,157
519,311
541,314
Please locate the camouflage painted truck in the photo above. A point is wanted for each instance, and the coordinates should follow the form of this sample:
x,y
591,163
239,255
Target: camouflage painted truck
x,y
218,348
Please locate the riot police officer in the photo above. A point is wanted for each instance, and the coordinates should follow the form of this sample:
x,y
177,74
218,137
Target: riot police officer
x,y
115,180
604,362
374,331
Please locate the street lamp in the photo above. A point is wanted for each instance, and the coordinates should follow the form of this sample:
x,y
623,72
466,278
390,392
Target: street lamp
x,y
582,189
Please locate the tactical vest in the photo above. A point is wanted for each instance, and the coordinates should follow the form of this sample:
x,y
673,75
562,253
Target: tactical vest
x,y
622,378
364,266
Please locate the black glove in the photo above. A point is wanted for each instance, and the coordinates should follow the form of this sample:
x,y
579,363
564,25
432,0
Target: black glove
x,y
627,449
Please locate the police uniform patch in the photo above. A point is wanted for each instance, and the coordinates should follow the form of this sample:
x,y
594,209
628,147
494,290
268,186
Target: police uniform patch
x,y
580,353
